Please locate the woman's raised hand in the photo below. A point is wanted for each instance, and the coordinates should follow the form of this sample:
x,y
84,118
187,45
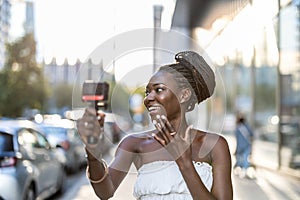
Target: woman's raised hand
x,y
90,129
176,143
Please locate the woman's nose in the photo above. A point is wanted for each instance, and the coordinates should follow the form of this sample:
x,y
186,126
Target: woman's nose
x,y
149,97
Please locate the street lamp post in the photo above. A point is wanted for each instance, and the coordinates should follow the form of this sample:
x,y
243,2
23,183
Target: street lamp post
x,y
278,88
157,11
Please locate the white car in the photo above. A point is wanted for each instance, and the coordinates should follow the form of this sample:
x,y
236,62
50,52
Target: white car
x,y
29,167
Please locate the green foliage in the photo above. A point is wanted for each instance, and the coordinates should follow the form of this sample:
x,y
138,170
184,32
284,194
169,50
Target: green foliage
x,y
22,83
63,95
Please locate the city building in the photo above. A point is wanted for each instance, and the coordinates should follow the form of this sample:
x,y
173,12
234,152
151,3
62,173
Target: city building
x,y
29,17
74,73
5,15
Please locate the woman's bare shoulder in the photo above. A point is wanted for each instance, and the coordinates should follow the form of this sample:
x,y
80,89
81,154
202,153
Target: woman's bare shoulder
x,y
220,147
131,142
213,138
211,142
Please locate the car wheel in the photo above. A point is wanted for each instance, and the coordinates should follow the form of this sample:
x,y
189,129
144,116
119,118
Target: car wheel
x,y
30,193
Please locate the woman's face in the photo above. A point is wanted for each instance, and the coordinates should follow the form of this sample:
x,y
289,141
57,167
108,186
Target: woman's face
x,y
161,96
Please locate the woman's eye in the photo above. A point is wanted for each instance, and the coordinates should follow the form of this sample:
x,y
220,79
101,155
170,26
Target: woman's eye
x,y
156,90
159,89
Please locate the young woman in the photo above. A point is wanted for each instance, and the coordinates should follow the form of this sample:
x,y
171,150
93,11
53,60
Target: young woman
x,y
174,161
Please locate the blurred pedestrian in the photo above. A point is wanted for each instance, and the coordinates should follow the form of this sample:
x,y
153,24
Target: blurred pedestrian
x,y
244,138
174,160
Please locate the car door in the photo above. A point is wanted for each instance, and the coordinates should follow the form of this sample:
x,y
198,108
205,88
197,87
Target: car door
x,y
37,150
51,166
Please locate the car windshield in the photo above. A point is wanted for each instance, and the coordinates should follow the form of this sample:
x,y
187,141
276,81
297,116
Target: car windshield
x,y
55,131
6,142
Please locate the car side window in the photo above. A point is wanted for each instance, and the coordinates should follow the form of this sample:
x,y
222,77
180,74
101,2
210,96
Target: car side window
x,y
27,139
32,139
42,141
6,142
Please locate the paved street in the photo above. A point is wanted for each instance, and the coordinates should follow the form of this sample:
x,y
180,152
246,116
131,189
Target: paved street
x,y
266,185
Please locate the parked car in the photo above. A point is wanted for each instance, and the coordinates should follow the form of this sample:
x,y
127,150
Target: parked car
x,y
63,134
29,167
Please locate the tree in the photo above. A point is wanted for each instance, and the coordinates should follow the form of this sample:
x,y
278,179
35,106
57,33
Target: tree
x,y
22,82
63,95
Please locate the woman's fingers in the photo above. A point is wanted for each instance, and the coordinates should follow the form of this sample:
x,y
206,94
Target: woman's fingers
x,y
90,127
85,129
89,111
175,143
160,132
166,131
100,118
159,139
170,128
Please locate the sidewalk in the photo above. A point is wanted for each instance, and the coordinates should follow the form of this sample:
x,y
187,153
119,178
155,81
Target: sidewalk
x,y
268,183
264,155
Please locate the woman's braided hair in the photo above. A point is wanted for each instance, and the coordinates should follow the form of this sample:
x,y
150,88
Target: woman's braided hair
x,y
192,71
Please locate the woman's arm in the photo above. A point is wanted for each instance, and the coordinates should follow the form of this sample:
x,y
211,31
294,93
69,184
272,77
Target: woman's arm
x,y
105,180
116,172
221,164
100,177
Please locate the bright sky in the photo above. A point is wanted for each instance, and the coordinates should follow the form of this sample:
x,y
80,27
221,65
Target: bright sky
x,y
74,28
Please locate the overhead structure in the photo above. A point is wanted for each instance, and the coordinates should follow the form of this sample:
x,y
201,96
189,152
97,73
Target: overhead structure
x,y
202,13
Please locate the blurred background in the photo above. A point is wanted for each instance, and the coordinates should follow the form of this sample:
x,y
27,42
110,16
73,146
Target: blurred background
x,y
252,45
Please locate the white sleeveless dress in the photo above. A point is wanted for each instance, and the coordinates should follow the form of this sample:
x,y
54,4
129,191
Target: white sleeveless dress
x,y
162,180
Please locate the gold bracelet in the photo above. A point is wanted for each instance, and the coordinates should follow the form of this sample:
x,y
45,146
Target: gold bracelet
x,y
104,176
